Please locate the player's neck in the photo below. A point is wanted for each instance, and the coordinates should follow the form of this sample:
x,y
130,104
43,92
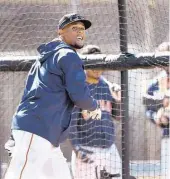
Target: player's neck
x,y
61,39
92,80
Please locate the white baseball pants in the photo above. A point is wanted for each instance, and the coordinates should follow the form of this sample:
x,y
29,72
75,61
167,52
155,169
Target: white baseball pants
x,y
35,158
102,157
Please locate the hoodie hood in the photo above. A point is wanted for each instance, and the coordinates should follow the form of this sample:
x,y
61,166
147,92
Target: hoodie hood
x,y
50,48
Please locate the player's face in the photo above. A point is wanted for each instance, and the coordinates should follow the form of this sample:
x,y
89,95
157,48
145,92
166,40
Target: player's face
x,y
74,34
94,73
167,69
166,102
168,82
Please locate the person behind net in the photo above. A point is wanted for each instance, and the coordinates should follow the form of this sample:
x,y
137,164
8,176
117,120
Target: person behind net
x,y
55,84
157,88
157,107
162,120
163,115
94,151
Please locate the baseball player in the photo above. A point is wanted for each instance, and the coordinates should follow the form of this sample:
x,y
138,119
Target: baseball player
x,y
158,87
157,101
95,155
162,120
55,83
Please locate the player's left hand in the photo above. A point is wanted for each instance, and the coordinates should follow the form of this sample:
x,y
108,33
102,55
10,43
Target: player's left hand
x,y
83,154
84,157
115,92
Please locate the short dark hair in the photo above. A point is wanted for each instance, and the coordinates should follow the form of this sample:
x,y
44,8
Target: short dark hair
x,y
91,49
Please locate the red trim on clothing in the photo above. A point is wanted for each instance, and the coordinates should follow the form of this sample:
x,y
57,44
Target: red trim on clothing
x,y
26,157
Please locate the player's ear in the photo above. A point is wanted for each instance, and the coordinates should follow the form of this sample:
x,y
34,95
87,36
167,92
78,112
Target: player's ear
x,y
60,32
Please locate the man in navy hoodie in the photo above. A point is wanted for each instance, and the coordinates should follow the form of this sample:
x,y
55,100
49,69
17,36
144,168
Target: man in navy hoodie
x,y
55,84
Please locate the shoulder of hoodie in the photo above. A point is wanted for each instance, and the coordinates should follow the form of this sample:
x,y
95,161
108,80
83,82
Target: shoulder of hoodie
x,y
64,52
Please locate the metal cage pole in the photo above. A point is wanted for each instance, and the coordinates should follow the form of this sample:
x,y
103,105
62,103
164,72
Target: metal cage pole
x,y
124,90
0,168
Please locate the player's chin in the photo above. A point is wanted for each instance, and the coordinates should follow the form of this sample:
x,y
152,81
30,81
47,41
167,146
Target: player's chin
x,y
97,77
79,45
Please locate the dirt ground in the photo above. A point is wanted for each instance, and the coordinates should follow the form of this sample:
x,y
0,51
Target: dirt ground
x,y
151,177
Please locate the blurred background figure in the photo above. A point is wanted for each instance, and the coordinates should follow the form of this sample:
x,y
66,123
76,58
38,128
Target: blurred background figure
x,y
157,105
162,120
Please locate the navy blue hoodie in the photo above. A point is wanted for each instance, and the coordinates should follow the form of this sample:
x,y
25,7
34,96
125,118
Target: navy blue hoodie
x,y
55,83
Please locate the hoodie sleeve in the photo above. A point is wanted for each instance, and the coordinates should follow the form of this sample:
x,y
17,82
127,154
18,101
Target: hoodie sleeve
x,y
73,135
75,80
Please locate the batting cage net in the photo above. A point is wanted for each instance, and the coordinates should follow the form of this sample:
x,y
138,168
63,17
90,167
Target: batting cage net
x,y
132,137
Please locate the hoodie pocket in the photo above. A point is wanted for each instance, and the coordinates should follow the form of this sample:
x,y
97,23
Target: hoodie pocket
x,y
65,132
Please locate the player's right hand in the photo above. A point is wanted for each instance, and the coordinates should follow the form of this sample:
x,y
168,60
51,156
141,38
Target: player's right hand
x,y
96,114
